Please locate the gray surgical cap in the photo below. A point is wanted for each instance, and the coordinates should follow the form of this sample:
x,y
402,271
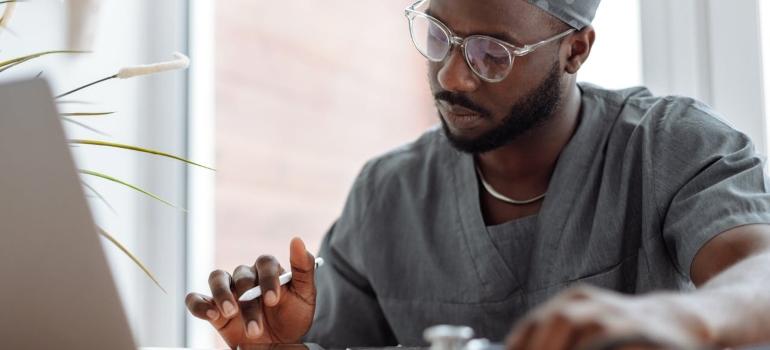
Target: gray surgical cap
x,y
576,13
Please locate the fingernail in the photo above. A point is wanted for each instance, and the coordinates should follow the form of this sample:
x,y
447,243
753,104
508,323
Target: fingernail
x,y
253,329
270,298
212,315
228,308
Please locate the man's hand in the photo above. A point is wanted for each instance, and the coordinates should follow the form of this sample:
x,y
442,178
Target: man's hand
x,y
590,318
729,309
282,315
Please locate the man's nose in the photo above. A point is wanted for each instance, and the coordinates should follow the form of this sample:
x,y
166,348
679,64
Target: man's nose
x,y
456,75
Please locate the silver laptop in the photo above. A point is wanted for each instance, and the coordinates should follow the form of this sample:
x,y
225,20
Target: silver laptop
x,y
55,282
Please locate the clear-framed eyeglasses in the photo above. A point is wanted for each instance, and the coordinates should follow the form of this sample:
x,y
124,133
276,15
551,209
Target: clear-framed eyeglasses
x,y
489,58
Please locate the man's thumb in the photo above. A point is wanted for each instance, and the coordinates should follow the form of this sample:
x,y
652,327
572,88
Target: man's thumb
x,y
302,268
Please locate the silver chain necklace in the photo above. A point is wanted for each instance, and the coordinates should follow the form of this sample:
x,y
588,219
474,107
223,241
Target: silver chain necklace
x,y
501,197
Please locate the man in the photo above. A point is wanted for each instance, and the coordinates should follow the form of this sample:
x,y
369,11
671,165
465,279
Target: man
x,y
533,189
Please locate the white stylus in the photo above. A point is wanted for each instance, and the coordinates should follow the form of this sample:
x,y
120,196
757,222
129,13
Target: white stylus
x,y
256,292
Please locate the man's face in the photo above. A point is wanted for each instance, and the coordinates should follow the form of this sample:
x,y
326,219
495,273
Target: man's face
x,y
480,116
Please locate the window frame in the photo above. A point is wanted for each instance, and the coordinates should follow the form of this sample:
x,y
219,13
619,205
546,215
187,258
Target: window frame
x,y
709,50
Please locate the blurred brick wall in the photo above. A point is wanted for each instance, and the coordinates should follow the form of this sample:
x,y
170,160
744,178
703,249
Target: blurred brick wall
x,y
307,91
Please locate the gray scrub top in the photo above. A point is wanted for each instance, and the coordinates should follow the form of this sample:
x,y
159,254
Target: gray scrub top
x,y
641,186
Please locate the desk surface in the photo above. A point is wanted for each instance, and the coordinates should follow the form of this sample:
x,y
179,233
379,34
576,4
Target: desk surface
x,y
144,348
306,346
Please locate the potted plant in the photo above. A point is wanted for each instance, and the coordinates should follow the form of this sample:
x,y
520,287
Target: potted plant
x,y
79,11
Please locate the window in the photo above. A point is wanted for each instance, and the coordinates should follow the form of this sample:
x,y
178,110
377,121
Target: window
x,y
764,20
616,58
149,113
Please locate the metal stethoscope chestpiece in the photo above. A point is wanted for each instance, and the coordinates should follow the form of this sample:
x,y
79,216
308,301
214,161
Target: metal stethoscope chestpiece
x,y
446,337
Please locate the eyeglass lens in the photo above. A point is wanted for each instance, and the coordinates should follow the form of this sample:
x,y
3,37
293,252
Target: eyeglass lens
x,y
487,58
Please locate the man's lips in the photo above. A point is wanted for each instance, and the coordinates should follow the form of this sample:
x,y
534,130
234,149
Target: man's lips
x,y
459,117
459,111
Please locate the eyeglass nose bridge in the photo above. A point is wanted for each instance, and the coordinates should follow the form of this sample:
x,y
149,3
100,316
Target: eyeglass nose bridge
x,y
456,41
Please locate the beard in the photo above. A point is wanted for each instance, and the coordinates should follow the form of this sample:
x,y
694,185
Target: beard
x,y
533,110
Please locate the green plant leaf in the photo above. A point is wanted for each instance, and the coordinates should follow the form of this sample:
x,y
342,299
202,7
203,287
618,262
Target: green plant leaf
x,y
134,148
61,102
4,68
107,177
84,114
36,55
99,195
84,126
121,247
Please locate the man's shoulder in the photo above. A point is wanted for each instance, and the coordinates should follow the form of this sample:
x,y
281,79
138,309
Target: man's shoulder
x,y
677,136
618,97
637,108
426,150
415,161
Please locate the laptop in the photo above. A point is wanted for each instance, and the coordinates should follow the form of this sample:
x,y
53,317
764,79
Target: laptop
x,y
55,282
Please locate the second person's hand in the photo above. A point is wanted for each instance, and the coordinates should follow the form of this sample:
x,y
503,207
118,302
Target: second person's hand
x,y
283,314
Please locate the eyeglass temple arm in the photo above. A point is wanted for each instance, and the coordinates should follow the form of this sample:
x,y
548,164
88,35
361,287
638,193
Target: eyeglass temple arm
x,y
529,48
413,7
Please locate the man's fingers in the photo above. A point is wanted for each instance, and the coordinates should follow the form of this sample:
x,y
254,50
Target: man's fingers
x,y
204,308
244,278
302,270
252,318
221,285
575,318
268,271
553,333
519,339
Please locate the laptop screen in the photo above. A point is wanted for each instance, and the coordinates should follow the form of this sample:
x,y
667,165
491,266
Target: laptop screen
x,y
56,283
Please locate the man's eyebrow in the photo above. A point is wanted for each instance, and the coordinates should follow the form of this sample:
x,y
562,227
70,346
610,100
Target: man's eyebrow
x,y
505,37
497,35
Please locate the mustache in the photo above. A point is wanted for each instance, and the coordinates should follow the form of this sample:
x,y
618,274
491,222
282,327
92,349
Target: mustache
x,y
460,100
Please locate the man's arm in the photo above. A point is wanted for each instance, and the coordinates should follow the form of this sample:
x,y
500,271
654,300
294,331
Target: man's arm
x,y
730,308
732,272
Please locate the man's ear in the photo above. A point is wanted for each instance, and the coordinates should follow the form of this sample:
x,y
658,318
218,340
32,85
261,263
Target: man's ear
x,y
580,44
